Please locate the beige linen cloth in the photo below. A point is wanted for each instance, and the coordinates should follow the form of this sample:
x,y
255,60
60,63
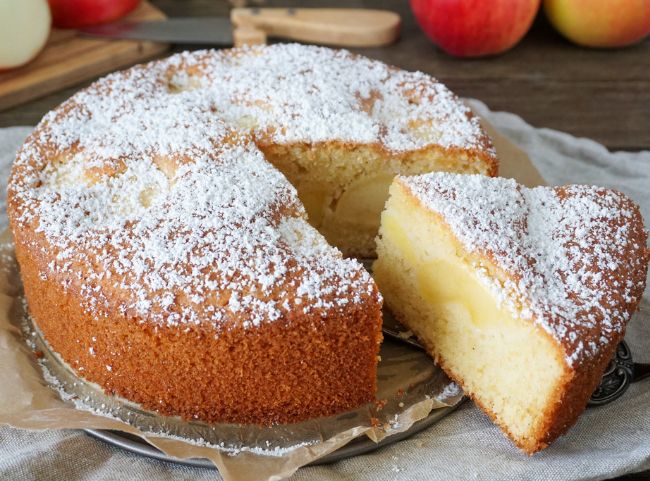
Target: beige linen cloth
x,y
607,441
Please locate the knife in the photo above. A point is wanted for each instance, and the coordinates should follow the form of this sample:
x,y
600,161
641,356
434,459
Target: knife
x,y
345,27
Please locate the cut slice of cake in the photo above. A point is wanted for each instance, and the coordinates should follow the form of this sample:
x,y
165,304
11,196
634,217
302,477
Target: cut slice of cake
x,y
521,295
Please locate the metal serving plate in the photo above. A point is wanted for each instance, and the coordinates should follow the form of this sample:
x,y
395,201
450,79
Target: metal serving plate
x,y
355,447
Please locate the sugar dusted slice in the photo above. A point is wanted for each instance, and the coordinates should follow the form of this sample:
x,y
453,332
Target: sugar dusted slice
x,y
521,295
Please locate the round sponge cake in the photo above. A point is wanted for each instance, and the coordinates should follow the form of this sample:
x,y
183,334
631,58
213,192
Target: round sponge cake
x,y
167,258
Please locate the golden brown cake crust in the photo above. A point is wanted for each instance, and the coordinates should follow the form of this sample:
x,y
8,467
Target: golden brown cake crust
x,y
301,368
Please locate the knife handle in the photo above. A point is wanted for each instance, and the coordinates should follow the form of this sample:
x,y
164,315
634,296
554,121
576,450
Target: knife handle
x,y
246,35
344,27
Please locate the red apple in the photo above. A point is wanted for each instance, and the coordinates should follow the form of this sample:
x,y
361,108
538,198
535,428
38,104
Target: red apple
x,y
474,28
600,23
81,13
24,28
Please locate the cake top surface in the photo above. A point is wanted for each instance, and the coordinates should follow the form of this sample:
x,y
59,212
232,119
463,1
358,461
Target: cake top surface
x,y
289,93
573,258
285,93
149,182
146,202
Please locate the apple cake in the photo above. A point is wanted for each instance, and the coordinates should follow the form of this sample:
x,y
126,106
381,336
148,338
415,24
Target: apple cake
x,y
521,295
160,225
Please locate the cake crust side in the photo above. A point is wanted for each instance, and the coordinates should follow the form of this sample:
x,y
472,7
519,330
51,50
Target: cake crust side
x,y
282,372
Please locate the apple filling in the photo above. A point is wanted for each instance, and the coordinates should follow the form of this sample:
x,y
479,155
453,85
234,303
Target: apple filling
x,y
316,202
344,188
359,205
362,202
353,213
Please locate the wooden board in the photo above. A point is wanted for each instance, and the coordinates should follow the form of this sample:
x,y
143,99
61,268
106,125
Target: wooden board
x,y
68,59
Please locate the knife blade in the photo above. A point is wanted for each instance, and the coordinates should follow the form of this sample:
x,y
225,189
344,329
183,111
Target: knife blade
x,y
179,30
342,27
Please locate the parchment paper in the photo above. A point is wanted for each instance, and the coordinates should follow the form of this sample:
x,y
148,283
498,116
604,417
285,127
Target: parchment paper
x,y
28,401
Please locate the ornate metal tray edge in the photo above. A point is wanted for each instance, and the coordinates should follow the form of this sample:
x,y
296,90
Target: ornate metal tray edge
x,y
355,447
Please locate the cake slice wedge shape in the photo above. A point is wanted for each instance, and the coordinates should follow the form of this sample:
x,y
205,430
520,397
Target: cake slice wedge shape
x,y
520,294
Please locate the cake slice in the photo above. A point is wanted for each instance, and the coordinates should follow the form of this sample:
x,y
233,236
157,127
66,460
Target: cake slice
x,y
521,295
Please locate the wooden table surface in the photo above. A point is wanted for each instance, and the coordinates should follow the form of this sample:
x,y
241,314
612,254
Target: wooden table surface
x,y
600,94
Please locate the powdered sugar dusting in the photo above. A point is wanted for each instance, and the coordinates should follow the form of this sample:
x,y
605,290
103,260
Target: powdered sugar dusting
x,y
575,256
293,93
150,205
